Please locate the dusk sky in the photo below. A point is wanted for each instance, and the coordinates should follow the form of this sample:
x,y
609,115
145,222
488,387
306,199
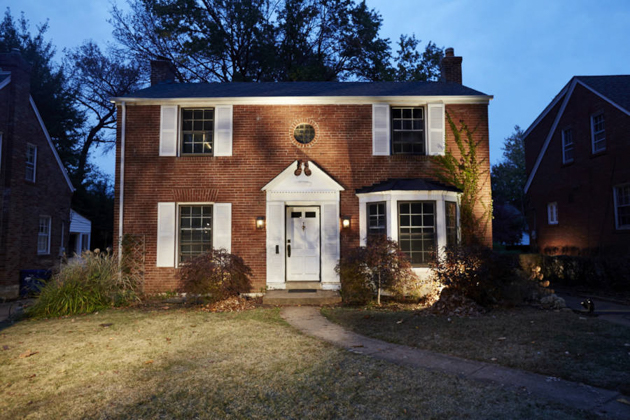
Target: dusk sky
x,y
522,52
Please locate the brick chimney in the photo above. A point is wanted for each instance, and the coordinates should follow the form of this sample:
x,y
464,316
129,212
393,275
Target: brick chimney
x,y
162,71
451,67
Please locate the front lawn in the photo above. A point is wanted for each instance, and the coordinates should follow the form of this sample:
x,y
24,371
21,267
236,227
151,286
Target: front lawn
x,y
558,344
187,364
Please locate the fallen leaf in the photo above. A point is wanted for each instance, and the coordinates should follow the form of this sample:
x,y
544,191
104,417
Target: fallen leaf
x,y
32,376
28,353
105,325
494,359
5,347
148,362
193,326
624,401
399,322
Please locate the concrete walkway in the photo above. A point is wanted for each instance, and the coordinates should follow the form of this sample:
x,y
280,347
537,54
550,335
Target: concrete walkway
x,y
604,309
601,401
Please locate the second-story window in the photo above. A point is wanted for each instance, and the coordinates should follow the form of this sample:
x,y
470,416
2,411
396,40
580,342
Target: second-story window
x,y
408,131
598,133
31,162
567,146
197,131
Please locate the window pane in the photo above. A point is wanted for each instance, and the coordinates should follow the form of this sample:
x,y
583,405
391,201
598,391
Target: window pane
x,y
417,239
195,231
408,130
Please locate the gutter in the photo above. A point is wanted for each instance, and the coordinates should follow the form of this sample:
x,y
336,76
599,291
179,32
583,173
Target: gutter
x,y
121,195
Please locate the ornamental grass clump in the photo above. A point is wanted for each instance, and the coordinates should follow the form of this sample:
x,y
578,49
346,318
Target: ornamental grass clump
x,y
216,275
86,284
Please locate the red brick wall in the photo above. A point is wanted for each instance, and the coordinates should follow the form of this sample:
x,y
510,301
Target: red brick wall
x,y
22,201
262,148
583,189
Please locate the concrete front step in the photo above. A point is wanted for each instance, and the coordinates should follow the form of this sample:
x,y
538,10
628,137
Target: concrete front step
x,y
284,298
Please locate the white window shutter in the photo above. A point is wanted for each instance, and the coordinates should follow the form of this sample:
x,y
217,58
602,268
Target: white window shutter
x,y
168,130
436,129
166,235
380,130
222,226
223,130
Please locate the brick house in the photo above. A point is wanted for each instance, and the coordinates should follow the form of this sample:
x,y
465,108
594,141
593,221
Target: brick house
x,y
578,167
35,188
289,175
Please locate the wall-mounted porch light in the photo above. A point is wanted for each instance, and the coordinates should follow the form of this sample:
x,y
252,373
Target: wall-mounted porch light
x,y
345,222
260,222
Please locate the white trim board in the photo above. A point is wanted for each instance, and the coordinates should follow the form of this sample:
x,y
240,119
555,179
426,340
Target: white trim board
x,y
50,143
5,82
308,100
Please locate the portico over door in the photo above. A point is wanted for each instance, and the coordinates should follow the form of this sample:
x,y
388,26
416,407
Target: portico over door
x,y
303,248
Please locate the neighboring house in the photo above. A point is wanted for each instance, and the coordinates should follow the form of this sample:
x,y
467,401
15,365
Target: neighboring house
x,y
35,189
578,165
80,234
289,176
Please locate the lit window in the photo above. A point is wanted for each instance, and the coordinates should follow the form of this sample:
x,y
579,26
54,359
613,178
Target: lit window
x,y
567,146
598,133
416,237
451,224
552,213
31,162
408,131
622,206
195,231
197,131
43,236
376,220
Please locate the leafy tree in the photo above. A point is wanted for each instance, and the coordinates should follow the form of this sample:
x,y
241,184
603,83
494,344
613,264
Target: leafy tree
x,y
49,85
508,184
96,78
270,40
466,173
368,270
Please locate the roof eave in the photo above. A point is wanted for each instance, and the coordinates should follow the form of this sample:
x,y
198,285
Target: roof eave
x,y
307,100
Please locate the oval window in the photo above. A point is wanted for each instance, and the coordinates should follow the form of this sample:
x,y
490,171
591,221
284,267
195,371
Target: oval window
x,y
304,133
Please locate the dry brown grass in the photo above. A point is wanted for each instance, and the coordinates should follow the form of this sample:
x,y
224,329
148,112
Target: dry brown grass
x,y
560,344
193,364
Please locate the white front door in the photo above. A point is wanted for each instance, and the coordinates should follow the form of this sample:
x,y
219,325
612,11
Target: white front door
x,y
303,244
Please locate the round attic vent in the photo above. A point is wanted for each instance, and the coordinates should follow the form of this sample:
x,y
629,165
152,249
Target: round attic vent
x,y
304,133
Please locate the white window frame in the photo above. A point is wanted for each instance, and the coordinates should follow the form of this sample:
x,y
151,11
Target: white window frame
x,y
552,213
1,140
30,146
180,130
567,134
617,205
425,129
48,222
595,133
391,199
178,208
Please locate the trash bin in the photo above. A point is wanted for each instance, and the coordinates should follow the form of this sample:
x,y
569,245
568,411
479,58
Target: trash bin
x,y
32,280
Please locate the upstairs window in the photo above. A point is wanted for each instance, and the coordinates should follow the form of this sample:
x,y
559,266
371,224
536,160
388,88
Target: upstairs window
x,y
195,231
598,133
567,146
451,224
408,131
417,237
622,206
43,236
376,220
197,131
31,162
552,213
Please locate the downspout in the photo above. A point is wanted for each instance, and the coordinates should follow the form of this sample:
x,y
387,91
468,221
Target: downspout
x,y
121,195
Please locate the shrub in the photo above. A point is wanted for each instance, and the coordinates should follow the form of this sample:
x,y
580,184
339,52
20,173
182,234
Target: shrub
x,y
365,271
217,274
485,276
84,285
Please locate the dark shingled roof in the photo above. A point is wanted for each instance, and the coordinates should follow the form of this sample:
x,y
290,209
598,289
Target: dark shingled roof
x,y
407,184
615,88
303,89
